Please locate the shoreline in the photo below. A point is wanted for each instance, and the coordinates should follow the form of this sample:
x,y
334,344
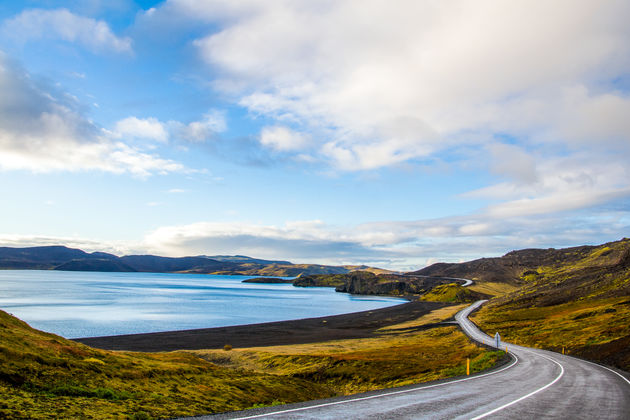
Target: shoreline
x,y
300,331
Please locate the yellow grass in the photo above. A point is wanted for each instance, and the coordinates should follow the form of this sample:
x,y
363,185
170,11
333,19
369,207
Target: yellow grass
x,y
46,376
398,356
432,317
493,288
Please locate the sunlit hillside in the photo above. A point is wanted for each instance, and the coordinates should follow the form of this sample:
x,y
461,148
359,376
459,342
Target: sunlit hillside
x,y
577,299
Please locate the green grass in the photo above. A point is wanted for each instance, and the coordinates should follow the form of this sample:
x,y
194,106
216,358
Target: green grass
x,y
492,288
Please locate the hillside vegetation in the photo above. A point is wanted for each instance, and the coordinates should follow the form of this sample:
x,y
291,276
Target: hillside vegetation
x,y
46,376
510,267
452,293
577,298
411,352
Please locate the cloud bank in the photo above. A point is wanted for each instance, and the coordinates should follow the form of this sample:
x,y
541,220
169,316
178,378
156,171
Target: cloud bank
x,y
395,244
390,84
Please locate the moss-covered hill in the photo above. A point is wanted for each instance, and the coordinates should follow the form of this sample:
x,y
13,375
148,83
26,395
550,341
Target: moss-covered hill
x,y
45,376
452,293
581,303
511,267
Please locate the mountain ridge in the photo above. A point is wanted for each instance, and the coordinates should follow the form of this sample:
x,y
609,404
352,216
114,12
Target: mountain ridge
x,y
511,266
59,257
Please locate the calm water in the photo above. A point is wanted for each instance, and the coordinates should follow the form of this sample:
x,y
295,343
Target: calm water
x,y
85,304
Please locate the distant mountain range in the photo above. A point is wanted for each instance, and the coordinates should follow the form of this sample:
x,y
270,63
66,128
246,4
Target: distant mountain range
x,y
70,259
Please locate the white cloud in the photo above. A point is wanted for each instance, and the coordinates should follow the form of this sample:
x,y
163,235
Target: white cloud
x,y
147,128
281,138
359,75
41,131
95,35
87,245
377,85
304,241
561,184
513,162
212,123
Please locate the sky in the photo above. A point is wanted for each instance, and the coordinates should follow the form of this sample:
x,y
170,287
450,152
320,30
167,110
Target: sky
x,y
392,134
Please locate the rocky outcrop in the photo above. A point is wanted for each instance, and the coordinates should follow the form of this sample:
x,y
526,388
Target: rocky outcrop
x,y
320,280
362,283
367,283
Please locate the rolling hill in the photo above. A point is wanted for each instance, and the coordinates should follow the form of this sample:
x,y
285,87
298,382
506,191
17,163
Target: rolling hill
x,y
69,259
573,299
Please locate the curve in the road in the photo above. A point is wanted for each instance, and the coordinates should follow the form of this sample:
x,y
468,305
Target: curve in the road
x,y
466,282
386,394
524,396
537,383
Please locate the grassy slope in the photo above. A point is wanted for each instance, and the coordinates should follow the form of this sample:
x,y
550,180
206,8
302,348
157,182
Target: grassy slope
x,y
452,293
399,355
508,269
46,376
582,305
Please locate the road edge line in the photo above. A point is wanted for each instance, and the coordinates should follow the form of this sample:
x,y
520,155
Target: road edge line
x,y
528,395
418,389
604,367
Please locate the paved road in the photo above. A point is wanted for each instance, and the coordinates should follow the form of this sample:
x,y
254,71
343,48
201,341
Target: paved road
x,y
466,282
535,384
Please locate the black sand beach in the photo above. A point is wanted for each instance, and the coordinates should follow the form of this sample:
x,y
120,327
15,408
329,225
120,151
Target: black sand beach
x,y
310,330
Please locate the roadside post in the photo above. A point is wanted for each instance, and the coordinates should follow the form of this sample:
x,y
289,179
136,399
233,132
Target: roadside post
x,y
497,340
467,366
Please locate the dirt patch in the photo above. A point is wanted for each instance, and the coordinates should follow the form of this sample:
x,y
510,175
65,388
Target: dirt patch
x,y
310,330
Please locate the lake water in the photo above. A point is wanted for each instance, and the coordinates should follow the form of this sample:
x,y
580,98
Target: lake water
x,y
88,304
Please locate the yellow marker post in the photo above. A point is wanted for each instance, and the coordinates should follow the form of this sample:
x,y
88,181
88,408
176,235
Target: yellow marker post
x,y
506,348
562,349
467,366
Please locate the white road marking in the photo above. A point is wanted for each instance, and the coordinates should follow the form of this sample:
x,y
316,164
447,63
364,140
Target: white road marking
x,y
528,395
382,395
604,367
470,331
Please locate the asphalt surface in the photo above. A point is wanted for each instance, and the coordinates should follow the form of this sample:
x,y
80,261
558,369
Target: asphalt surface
x,y
466,282
535,384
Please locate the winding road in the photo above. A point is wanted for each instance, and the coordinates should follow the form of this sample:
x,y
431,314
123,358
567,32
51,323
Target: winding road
x,y
534,384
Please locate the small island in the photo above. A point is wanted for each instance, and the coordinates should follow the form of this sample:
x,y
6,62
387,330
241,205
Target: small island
x,y
267,280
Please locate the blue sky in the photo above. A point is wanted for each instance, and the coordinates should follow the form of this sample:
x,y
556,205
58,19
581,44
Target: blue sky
x,y
337,132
